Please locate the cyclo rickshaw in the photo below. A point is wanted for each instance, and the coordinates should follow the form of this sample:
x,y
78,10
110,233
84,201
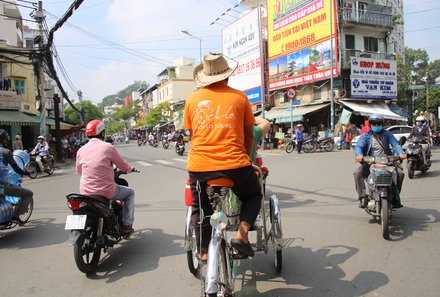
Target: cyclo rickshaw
x,y
223,259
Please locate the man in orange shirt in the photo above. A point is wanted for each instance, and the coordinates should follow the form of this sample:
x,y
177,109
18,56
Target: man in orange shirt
x,y
221,122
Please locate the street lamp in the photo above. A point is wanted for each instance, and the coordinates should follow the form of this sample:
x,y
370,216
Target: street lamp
x,y
184,31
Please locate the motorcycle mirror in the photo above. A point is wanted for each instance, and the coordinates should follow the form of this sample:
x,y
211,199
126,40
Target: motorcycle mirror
x,y
402,141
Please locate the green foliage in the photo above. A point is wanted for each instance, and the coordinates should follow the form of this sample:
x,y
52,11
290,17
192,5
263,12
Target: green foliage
x,y
417,62
112,127
126,113
433,101
91,112
156,115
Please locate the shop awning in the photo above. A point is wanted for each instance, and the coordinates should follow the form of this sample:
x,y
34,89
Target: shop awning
x,y
63,125
282,115
367,109
14,117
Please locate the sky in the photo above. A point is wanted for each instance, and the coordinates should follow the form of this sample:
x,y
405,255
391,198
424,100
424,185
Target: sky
x,y
108,44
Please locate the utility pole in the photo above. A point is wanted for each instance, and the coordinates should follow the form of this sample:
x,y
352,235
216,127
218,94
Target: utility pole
x,y
332,95
81,114
59,149
39,16
427,92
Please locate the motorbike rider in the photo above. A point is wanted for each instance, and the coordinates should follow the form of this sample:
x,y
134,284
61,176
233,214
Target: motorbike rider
x,y
42,149
6,158
178,137
422,130
94,162
221,121
375,142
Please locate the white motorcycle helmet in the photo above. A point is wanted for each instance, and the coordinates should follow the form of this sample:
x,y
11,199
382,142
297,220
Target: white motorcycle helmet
x,y
421,120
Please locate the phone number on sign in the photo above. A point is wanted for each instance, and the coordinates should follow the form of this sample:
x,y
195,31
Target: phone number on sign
x,y
247,66
299,43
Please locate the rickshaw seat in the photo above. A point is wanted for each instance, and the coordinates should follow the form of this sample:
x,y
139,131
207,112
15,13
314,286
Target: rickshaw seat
x,y
221,182
263,170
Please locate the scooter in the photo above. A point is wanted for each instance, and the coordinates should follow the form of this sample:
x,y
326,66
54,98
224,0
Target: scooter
x,y
95,225
415,160
36,166
382,189
180,147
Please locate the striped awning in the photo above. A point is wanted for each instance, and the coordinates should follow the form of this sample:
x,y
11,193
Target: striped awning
x,y
14,117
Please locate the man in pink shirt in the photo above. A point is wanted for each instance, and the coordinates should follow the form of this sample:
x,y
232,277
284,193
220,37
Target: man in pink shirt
x,y
94,162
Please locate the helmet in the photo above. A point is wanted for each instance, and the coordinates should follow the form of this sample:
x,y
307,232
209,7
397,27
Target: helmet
x,y
17,137
4,137
94,128
420,119
21,158
41,137
375,118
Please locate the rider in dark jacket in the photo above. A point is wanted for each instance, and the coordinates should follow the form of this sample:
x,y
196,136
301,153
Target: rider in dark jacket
x,y
375,142
6,158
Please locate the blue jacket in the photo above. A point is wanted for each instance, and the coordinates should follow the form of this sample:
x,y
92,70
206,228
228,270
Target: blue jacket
x,y
364,146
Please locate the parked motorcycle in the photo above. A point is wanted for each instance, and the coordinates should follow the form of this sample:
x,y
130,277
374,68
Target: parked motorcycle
x,y
153,143
382,189
291,145
310,145
34,167
141,141
95,225
415,160
180,147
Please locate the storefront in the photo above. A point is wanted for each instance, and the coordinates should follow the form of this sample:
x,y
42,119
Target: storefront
x,y
16,122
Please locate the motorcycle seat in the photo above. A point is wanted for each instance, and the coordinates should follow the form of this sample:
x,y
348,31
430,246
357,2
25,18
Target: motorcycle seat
x,y
221,182
98,198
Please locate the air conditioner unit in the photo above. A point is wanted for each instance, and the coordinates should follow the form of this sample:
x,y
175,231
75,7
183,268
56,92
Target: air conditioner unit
x,y
281,97
339,93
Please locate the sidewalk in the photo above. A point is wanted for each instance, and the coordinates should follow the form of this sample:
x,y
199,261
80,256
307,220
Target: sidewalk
x,y
67,163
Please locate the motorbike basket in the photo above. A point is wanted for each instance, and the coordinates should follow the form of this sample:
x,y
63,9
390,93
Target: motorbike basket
x,y
381,176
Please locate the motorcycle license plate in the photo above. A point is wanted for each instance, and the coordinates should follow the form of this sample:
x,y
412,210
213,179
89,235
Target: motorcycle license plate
x,y
75,222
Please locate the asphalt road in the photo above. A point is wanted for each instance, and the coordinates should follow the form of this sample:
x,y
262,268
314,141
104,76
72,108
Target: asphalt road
x,y
331,248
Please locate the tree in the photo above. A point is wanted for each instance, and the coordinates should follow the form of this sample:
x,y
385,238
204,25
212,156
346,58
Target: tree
x,y
417,62
91,112
126,113
156,115
433,100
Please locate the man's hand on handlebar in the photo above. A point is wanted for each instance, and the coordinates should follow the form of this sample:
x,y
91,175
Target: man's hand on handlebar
x,y
402,156
358,158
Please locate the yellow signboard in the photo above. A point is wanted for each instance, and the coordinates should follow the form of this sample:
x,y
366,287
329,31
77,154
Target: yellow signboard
x,y
299,41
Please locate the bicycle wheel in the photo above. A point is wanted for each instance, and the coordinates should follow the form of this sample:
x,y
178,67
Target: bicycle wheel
x,y
224,282
193,261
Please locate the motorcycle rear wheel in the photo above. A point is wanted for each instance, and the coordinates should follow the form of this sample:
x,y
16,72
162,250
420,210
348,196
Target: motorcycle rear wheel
x,y
50,170
385,218
411,166
86,251
32,169
290,147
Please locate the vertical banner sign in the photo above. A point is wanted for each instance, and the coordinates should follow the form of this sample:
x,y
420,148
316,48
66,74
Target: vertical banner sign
x,y
299,47
241,42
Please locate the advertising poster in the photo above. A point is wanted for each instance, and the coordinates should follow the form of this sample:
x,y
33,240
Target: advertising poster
x,y
299,47
241,42
373,78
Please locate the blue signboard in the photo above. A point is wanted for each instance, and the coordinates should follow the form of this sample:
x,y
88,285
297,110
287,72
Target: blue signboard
x,y
255,95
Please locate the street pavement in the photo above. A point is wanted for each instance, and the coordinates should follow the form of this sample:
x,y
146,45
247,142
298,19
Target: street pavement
x,y
331,248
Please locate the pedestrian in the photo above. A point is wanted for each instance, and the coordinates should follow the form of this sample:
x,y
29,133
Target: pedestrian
x,y
65,144
18,144
299,138
221,122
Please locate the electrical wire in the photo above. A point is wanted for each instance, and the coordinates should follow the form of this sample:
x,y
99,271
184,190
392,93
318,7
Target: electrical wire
x,y
11,17
16,4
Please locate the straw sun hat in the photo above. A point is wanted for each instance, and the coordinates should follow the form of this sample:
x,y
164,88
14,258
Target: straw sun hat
x,y
213,69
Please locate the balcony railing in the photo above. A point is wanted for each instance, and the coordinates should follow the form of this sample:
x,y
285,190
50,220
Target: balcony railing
x,y
358,53
367,17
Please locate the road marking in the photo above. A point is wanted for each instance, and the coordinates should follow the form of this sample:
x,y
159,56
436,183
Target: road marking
x,y
180,160
164,162
144,163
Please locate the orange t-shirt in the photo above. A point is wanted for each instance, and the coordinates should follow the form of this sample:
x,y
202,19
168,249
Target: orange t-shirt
x,y
216,115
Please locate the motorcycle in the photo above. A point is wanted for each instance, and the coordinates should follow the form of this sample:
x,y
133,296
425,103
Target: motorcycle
x,y
165,143
141,141
95,225
382,189
34,167
153,143
9,204
291,145
415,160
310,145
180,147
